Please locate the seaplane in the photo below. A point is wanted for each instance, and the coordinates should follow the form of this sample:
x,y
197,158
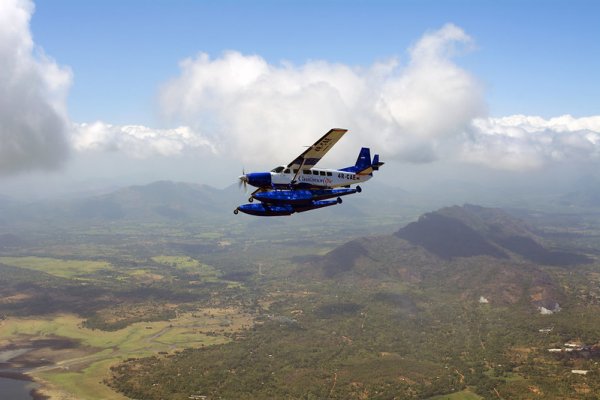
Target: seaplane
x,y
300,187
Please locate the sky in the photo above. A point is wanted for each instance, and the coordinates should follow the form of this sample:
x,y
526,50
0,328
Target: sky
x,y
99,94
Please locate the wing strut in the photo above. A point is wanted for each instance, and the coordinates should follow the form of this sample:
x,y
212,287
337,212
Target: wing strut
x,y
298,171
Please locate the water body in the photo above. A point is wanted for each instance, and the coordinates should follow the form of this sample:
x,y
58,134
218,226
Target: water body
x,y
16,389
13,384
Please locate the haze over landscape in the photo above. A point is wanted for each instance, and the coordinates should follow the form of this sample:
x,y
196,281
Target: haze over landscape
x,y
467,268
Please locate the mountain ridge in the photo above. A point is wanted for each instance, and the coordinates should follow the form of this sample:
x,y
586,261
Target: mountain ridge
x,y
472,251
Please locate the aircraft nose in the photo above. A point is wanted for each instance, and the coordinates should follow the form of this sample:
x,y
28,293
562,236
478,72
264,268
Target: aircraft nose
x,y
259,179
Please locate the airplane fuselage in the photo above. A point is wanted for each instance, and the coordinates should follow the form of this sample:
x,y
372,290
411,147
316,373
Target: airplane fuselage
x,y
282,177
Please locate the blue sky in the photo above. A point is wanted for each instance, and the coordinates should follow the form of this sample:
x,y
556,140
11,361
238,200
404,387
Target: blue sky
x,y
133,91
534,57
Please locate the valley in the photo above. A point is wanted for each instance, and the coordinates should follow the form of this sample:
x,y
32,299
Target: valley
x,y
461,303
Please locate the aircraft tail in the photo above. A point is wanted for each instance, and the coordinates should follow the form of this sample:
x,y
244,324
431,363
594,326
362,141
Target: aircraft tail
x,y
376,163
363,162
363,165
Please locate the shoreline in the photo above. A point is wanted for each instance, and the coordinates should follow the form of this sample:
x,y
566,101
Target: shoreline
x,y
17,364
18,376
35,393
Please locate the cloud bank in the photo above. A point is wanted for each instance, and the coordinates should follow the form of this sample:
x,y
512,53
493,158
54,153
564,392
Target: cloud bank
x,y
522,142
418,109
33,119
407,111
137,141
425,109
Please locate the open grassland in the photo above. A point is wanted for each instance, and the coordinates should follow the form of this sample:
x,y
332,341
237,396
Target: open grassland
x,y
177,261
462,395
79,373
85,384
203,273
189,265
77,269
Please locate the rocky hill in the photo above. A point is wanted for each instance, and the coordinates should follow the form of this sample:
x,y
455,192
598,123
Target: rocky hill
x,y
472,230
473,252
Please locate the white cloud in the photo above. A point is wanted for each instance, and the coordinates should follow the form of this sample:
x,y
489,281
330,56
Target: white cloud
x,y
136,141
249,110
525,142
425,109
33,88
256,111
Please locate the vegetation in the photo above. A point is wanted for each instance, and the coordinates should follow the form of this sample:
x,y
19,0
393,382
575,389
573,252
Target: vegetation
x,y
80,269
337,342
139,308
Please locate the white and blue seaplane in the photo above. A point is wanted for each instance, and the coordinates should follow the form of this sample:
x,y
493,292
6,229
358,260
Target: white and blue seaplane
x,y
300,187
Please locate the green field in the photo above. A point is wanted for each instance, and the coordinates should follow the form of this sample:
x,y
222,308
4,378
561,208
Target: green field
x,y
190,265
82,375
78,269
462,395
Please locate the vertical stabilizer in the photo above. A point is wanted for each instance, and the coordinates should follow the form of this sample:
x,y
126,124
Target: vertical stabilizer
x,y
363,165
364,160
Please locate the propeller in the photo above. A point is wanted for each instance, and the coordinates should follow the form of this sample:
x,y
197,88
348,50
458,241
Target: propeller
x,y
243,180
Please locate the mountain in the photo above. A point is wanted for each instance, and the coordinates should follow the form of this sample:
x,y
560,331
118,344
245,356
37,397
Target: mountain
x,y
177,202
163,199
472,230
471,251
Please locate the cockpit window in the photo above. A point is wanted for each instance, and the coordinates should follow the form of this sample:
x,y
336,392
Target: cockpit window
x,y
278,170
287,171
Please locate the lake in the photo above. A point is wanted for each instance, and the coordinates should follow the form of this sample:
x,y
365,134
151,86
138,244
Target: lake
x,y
10,388
15,389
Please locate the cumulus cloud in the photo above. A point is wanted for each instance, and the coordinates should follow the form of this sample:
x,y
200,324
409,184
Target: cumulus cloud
x,y
418,109
33,88
256,110
136,141
526,142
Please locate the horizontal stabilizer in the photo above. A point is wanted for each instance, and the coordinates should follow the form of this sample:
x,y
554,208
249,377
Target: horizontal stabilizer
x,y
376,163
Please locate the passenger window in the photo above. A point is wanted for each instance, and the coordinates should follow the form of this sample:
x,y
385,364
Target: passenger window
x,y
315,172
322,173
287,171
295,171
306,171
329,173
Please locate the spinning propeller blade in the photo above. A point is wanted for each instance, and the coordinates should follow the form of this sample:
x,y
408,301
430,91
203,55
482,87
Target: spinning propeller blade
x,y
243,180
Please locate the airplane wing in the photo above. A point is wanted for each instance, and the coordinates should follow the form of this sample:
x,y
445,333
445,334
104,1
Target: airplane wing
x,y
314,153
